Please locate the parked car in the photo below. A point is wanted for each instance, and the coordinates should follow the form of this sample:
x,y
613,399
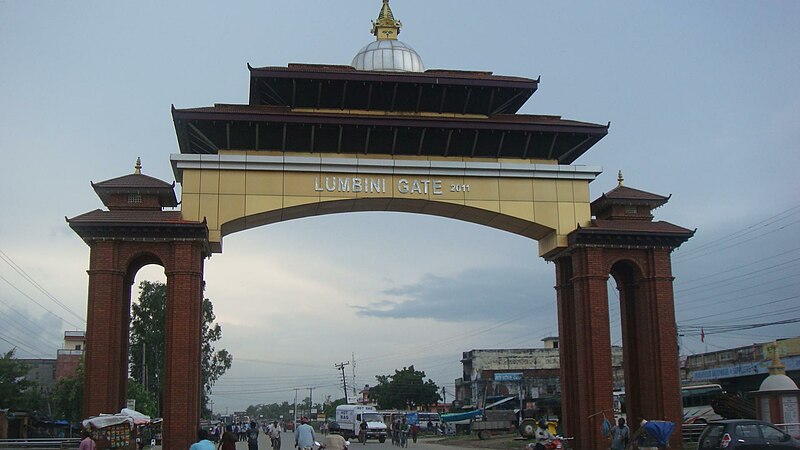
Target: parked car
x,y
744,434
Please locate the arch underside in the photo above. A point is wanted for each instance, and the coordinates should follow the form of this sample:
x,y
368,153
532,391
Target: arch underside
x,y
464,213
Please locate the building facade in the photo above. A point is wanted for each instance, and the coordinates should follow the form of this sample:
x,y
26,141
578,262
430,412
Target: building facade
x,y
69,358
532,374
742,369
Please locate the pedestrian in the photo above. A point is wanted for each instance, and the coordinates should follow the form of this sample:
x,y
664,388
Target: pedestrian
x,y
228,439
414,432
334,440
362,432
396,432
620,435
87,443
404,433
202,441
304,435
252,436
429,426
275,435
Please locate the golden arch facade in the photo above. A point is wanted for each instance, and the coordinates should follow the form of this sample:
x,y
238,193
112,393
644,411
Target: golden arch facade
x,y
237,191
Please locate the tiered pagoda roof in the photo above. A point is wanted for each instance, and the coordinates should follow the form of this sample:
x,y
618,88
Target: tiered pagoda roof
x,y
337,109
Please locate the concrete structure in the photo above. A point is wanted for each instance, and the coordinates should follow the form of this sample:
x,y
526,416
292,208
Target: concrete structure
x,y
778,397
320,139
69,358
742,369
533,372
42,372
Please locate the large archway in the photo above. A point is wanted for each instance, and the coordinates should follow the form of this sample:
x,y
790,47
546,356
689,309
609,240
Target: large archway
x,y
317,140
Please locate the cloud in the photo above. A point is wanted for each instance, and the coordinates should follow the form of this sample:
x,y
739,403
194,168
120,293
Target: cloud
x,y
475,295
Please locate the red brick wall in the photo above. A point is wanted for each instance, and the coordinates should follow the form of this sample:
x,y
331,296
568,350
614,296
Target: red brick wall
x,y
644,278
112,268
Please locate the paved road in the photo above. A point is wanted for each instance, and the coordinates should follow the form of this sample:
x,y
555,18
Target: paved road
x,y
287,443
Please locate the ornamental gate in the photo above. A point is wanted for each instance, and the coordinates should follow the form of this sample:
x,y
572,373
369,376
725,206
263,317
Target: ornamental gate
x,y
317,140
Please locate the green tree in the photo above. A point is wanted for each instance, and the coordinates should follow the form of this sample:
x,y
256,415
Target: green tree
x,y
406,389
14,388
146,401
67,398
147,343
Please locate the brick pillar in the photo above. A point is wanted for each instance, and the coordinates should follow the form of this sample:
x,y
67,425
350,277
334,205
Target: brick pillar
x,y
568,346
106,351
594,347
182,341
659,390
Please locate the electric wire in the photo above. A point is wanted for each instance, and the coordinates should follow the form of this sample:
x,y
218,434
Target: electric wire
x,y
741,232
77,327
8,260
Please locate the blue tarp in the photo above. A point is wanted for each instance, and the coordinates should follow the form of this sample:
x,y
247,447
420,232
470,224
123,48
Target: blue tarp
x,y
455,417
659,430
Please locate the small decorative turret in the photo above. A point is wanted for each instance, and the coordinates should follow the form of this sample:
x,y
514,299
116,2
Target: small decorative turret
x,y
620,180
136,191
386,27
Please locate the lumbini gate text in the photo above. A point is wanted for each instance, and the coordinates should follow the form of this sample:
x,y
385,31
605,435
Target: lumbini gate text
x,y
378,185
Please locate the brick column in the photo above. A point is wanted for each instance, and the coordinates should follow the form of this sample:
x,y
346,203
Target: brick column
x,y
106,353
182,341
567,346
594,346
660,391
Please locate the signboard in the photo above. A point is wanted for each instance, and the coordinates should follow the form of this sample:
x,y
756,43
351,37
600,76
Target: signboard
x,y
131,404
511,376
739,370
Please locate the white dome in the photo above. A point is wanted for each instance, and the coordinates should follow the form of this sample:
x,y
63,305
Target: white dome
x,y
778,383
389,55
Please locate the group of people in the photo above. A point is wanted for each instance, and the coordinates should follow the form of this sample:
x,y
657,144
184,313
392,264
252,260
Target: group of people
x,y
400,430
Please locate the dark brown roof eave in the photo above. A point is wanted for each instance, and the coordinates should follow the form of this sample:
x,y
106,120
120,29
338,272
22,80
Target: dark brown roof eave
x,y
464,78
492,122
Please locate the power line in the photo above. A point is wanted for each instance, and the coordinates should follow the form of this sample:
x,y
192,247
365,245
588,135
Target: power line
x,y
35,284
77,327
742,232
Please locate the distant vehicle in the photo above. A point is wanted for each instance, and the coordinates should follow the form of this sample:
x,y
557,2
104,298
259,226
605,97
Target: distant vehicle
x,y
697,402
350,417
696,399
425,417
738,434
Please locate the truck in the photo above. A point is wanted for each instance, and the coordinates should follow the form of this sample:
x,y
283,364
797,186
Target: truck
x,y
350,417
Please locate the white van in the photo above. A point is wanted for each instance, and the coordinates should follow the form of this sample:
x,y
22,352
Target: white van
x,y
350,417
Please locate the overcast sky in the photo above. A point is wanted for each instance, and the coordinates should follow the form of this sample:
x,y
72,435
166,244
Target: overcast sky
x,y
703,103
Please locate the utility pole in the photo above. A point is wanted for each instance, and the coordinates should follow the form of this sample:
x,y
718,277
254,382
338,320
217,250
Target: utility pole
x,y
340,366
353,358
294,412
310,400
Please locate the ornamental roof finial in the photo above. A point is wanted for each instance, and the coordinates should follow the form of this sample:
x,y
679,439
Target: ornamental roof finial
x,y
138,166
386,27
620,180
777,367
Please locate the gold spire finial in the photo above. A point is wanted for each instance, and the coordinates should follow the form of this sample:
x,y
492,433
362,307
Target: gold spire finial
x,y
620,180
777,367
138,166
386,27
